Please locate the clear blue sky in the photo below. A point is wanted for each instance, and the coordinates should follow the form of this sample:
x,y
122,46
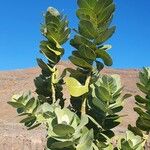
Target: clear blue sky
x,y
20,35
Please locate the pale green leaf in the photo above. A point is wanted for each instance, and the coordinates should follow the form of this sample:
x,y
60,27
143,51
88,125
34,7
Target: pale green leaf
x,y
75,88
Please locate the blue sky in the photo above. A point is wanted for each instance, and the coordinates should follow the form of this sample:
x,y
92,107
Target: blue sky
x,y
20,35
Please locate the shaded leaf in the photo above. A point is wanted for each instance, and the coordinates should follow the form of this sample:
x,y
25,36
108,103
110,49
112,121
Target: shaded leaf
x,y
63,129
104,56
80,62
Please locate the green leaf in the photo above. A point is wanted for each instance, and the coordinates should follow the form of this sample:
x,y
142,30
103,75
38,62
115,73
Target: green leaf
x,y
15,104
117,109
126,96
86,14
102,94
45,107
94,121
63,129
61,145
52,20
98,103
64,36
46,69
87,29
80,62
108,134
104,56
106,14
80,40
110,123
104,36
138,110
143,78
142,88
101,5
85,142
21,111
140,99
135,130
143,124
64,115
75,88
86,3
117,93
34,126
28,119
58,53
87,52
56,27
31,105
135,141
51,56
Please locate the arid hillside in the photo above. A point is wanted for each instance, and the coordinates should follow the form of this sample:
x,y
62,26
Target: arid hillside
x,y
14,136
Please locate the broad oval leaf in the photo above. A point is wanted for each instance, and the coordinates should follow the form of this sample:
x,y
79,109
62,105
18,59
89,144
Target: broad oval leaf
x,y
104,36
15,104
105,57
135,130
140,99
86,14
75,88
63,129
103,94
98,103
80,40
87,52
87,29
106,14
80,62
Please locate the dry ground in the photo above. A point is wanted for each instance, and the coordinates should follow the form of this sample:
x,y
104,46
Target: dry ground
x,y
14,136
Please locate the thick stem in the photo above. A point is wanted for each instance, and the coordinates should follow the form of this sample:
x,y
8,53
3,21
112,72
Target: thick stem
x,y
83,107
53,93
53,78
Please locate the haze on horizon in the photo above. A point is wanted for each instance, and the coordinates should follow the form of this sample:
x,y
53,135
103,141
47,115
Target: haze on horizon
x,y
20,32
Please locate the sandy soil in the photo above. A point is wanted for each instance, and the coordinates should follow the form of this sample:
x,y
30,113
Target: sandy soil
x,y
13,136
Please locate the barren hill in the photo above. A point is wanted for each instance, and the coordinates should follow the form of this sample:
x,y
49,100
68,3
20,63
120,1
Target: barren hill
x,y
14,136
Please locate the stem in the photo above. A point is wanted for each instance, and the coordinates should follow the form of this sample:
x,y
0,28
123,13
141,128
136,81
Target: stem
x,y
52,85
83,107
53,93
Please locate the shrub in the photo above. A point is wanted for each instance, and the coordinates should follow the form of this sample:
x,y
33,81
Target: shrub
x,y
95,99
